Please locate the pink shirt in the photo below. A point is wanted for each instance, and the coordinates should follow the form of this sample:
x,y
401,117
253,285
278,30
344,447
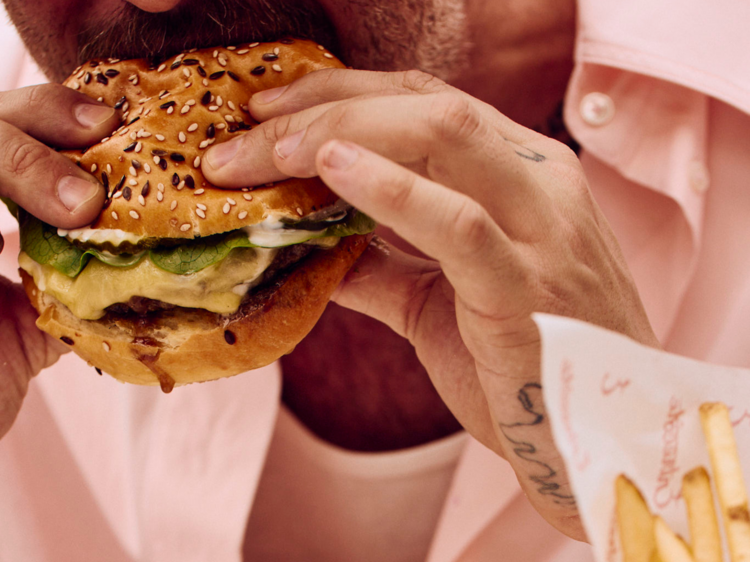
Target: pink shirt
x,y
660,96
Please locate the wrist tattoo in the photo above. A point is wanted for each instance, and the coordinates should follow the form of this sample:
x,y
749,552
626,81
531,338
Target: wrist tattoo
x,y
544,480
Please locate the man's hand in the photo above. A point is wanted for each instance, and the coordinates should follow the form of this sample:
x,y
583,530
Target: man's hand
x,y
54,189
505,224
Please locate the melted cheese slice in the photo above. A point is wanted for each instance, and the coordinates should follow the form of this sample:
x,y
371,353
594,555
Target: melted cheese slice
x,y
98,286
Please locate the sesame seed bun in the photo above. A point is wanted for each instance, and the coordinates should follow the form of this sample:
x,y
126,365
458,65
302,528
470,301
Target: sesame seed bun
x,y
188,345
172,112
150,169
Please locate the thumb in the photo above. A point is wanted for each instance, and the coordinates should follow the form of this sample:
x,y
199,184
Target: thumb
x,y
389,285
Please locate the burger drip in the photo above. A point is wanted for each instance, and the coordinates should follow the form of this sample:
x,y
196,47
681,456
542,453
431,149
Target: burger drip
x,y
166,382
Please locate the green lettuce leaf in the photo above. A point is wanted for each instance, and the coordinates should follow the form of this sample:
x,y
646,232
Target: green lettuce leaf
x,y
41,242
12,207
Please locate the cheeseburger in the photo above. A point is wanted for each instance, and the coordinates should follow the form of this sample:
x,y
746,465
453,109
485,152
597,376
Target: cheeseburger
x,y
177,281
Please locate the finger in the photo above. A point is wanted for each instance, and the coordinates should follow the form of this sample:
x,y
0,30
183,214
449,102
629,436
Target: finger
x,y
247,159
476,256
45,183
331,85
441,136
57,115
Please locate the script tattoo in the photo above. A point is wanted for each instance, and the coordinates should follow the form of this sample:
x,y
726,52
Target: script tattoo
x,y
545,480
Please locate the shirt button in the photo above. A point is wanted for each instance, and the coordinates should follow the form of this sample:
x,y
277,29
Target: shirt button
x,y
597,109
698,177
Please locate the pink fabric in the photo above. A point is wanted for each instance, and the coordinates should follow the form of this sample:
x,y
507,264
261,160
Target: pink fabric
x,y
94,470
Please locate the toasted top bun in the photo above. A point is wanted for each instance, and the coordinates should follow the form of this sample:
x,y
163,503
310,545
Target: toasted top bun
x,y
172,112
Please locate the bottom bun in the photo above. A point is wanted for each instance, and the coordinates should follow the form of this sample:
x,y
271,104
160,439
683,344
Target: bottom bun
x,y
181,346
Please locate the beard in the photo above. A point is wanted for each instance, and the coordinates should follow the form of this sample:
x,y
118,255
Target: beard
x,y
429,35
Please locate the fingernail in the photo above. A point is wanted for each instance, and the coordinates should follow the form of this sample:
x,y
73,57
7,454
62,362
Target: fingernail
x,y
221,154
287,145
341,156
74,192
267,96
90,115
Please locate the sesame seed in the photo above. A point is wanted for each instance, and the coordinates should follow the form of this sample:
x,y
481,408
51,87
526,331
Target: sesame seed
x,y
157,160
251,45
145,134
182,137
227,207
219,101
276,67
321,47
160,187
133,135
231,105
175,65
124,131
120,102
114,215
197,162
231,47
231,201
93,168
190,62
147,167
222,61
216,75
132,182
258,70
179,57
138,146
242,215
276,50
185,227
170,111
204,82
180,185
160,137
75,86
176,157
116,195
328,55
221,126
190,102
270,57
136,164
132,171
129,148
202,207
243,51
192,127
185,109
159,196
189,181
101,78
109,168
134,214
199,192
145,113
211,131
106,346
173,206
247,197
163,94
200,213
142,200
161,67
213,107
299,211
233,76
126,106
229,118
203,144
216,53
111,73
186,72
202,71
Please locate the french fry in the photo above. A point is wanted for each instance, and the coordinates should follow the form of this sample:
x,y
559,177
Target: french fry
x,y
635,522
727,471
670,546
705,539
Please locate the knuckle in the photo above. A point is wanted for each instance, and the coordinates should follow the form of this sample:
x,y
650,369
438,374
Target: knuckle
x,y
420,82
472,225
280,127
20,156
42,96
398,191
341,118
452,118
